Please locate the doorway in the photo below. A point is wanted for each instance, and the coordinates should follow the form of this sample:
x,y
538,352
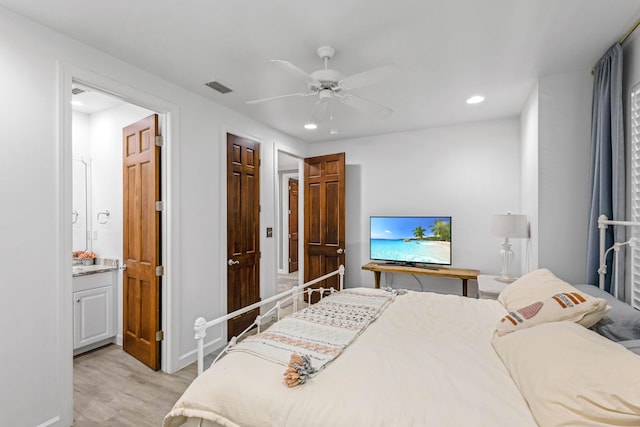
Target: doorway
x,y
97,123
289,210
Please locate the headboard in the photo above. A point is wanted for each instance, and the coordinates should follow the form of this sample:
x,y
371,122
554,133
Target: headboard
x,y
603,224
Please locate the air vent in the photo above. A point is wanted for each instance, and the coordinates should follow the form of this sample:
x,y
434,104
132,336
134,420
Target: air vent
x,y
219,87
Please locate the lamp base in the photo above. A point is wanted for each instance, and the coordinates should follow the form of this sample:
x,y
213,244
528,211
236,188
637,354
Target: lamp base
x,y
506,279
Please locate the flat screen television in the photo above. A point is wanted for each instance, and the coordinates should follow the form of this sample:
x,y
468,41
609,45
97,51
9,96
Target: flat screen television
x,y
411,240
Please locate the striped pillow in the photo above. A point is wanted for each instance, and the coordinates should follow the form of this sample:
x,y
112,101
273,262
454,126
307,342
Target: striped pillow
x,y
570,306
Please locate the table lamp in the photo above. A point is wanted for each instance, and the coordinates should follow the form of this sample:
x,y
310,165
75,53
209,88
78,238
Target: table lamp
x,y
508,226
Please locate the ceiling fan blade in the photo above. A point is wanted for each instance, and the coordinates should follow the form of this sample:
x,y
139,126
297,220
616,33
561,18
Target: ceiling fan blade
x,y
366,105
320,109
367,78
295,71
271,98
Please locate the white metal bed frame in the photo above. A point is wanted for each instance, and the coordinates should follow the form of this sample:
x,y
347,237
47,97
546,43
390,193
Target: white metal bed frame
x,y
201,325
603,224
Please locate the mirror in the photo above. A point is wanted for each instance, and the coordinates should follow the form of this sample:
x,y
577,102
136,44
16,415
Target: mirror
x,y
80,212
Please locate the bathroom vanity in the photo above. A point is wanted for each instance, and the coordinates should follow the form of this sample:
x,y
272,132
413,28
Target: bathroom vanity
x,y
94,305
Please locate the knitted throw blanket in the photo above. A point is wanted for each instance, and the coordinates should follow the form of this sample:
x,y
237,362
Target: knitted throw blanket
x,y
321,332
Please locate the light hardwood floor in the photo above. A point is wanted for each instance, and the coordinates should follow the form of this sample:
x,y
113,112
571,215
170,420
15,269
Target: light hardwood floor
x,y
112,388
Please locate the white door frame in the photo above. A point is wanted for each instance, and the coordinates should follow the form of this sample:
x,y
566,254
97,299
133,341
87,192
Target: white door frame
x,y
169,173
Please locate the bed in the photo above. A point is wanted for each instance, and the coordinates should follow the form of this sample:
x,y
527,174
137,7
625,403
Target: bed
x,y
529,358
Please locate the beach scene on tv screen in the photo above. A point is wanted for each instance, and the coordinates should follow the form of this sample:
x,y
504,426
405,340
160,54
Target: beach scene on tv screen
x,y
411,239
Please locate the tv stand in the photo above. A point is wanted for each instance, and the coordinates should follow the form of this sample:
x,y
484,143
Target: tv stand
x,y
454,273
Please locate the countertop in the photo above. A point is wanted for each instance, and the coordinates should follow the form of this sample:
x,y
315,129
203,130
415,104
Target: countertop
x,y
101,265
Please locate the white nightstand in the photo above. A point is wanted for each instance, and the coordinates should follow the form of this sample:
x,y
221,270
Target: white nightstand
x,y
489,287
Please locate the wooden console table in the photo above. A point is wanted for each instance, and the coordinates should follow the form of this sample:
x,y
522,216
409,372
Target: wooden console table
x,y
454,273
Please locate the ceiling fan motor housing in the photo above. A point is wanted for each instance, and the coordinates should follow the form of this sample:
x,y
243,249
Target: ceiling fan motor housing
x,y
328,79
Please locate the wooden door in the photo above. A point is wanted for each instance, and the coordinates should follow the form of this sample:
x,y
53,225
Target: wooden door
x,y
243,230
324,217
141,238
293,225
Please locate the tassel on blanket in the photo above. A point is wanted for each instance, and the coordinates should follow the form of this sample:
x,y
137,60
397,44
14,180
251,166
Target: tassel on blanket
x,y
299,370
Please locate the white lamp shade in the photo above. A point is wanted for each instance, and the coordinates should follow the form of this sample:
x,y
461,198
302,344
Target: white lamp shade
x,y
509,225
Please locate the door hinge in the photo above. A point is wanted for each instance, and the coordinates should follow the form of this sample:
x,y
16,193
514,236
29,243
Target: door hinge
x,y
159,141
160,206
289,211
160,270
159,335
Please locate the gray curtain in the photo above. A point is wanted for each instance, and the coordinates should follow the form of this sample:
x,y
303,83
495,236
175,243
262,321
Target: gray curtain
x,y
607,163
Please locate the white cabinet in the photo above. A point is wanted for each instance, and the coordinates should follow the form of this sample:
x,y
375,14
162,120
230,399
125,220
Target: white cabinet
x,y
94,320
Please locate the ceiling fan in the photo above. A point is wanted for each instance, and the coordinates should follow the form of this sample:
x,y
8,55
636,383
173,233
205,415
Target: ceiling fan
x,y
330,85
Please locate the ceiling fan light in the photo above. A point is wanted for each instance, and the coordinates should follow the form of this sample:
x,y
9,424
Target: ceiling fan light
x,y
310,126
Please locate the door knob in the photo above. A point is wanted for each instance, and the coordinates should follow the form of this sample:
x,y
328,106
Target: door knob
x,y
124,267
233,262
340,251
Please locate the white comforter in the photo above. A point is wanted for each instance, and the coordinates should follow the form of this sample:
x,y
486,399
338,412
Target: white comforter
x,y
427,361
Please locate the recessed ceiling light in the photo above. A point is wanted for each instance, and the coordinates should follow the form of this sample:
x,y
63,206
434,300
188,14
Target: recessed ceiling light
x,y
334,131
77,103
476,99
310,126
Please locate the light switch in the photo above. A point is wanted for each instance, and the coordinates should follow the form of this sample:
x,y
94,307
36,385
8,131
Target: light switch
x,y
269,231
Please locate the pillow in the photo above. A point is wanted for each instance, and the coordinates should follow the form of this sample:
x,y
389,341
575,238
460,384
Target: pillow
x,y
571,306
537,286
571,376
631,345
621,323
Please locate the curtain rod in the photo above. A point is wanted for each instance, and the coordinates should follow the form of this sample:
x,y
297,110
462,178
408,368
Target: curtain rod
x,y
631,30
624,38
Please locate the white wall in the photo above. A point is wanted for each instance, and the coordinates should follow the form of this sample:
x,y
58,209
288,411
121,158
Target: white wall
x,y
564,145
556,144
529,178
469,172
35,176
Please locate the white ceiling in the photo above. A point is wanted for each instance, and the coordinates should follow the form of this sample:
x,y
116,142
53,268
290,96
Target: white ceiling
x,y
444,51
93,101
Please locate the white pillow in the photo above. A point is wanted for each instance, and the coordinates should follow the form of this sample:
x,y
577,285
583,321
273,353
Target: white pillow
x,y
570,306
539,285
571,376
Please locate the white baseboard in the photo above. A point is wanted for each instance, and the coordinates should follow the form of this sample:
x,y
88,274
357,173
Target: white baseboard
x,y
94,346
50,422
192,356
